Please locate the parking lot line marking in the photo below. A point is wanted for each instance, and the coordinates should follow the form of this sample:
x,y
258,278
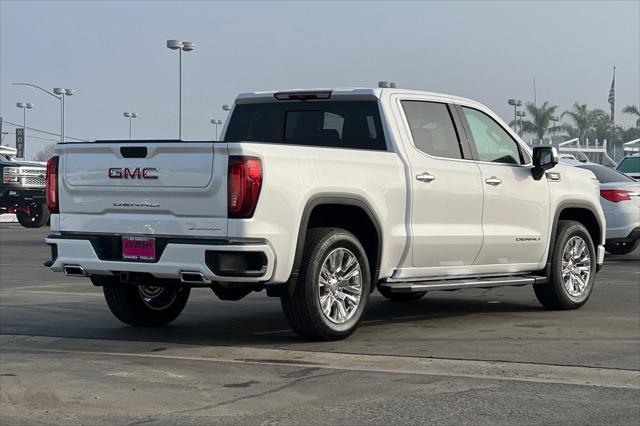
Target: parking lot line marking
x,y
66,293
488,370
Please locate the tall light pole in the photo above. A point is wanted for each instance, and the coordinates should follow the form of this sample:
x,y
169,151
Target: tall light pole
x,y
180,46
24,106
516,103
58,93
215,123
63,93
130,116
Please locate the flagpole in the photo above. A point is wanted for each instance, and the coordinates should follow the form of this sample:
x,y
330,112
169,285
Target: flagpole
x,y
612,103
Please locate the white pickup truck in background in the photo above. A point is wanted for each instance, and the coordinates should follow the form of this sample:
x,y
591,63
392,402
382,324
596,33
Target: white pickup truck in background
x,y
319,197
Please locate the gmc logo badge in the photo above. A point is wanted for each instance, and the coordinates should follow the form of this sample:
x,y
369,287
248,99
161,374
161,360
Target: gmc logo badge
x,y
137,173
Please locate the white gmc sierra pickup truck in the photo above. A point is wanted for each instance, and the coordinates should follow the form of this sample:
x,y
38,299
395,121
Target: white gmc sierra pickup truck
x,y
318,197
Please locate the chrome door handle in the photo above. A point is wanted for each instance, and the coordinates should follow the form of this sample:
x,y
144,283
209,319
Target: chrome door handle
x,y
493,180
425,177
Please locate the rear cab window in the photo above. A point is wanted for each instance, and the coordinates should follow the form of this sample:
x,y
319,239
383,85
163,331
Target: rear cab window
x,y
323,123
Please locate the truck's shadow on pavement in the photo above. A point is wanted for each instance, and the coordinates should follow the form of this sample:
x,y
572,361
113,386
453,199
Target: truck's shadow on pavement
x,y
258,322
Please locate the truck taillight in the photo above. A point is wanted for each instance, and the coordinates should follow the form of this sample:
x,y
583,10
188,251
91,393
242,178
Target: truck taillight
x,y
615,195
52,184
245,181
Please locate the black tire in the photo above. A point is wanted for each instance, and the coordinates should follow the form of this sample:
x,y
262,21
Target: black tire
x,y
127,304
554,295
303,310
38,216
625,247
400,297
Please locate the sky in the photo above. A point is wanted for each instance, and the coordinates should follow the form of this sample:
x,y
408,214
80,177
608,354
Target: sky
x,y
113,53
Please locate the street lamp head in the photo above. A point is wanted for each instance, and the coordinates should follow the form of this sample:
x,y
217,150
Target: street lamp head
x,y
134,115
21,105
521,113
512,102
174,44
29,105
58,90
69,92
226,107
127,114
519,103
188,46
219,121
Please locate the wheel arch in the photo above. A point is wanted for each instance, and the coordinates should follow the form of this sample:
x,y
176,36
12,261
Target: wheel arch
x,y
351,212
580,212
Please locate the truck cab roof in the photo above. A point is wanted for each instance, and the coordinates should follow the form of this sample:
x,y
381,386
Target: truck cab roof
x,y
349,93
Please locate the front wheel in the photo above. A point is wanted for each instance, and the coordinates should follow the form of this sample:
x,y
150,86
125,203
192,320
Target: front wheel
x,y
38,216
331,296
145,305
573,269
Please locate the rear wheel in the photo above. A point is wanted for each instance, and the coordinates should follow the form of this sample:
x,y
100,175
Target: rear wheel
x,y
573,269
401,297
38,216
145,305
331,296
624,247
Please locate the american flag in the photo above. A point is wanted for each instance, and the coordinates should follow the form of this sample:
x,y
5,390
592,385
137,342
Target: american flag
x,y
612,94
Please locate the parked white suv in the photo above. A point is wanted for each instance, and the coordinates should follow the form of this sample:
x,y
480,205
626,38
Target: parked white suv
x,y
319,196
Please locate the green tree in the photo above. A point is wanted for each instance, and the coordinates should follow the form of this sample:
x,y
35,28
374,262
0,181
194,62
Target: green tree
x,y
634,111
602,128
583,120
540,119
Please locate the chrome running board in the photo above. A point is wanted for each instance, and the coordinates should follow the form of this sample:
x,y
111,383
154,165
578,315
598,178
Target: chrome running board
x,y
461,283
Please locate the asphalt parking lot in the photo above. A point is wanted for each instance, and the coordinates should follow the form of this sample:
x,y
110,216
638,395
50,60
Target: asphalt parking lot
x,y
466,357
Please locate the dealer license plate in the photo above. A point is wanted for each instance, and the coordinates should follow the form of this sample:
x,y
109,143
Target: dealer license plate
x,y
138,248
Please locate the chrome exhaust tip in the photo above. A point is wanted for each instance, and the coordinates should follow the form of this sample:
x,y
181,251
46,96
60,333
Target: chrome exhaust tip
x,y
75,271
188,277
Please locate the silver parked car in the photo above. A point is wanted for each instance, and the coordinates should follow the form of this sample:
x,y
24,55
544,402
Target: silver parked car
x,y
620,199
630,166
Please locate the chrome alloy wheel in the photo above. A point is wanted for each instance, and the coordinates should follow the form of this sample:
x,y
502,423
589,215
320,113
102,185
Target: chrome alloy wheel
x,y
576,266
340,282
157,298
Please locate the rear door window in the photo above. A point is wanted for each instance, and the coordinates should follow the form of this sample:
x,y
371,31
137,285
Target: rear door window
x,y
335,124
432,128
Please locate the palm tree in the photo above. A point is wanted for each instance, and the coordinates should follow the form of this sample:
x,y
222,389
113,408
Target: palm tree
x,y
602,128
583,120
540,121
633,110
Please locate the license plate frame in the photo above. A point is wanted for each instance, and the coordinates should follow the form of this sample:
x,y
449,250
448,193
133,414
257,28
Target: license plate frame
x,y
139,249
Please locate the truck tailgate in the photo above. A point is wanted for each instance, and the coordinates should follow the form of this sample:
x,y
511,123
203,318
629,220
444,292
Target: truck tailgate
x,y
144,188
